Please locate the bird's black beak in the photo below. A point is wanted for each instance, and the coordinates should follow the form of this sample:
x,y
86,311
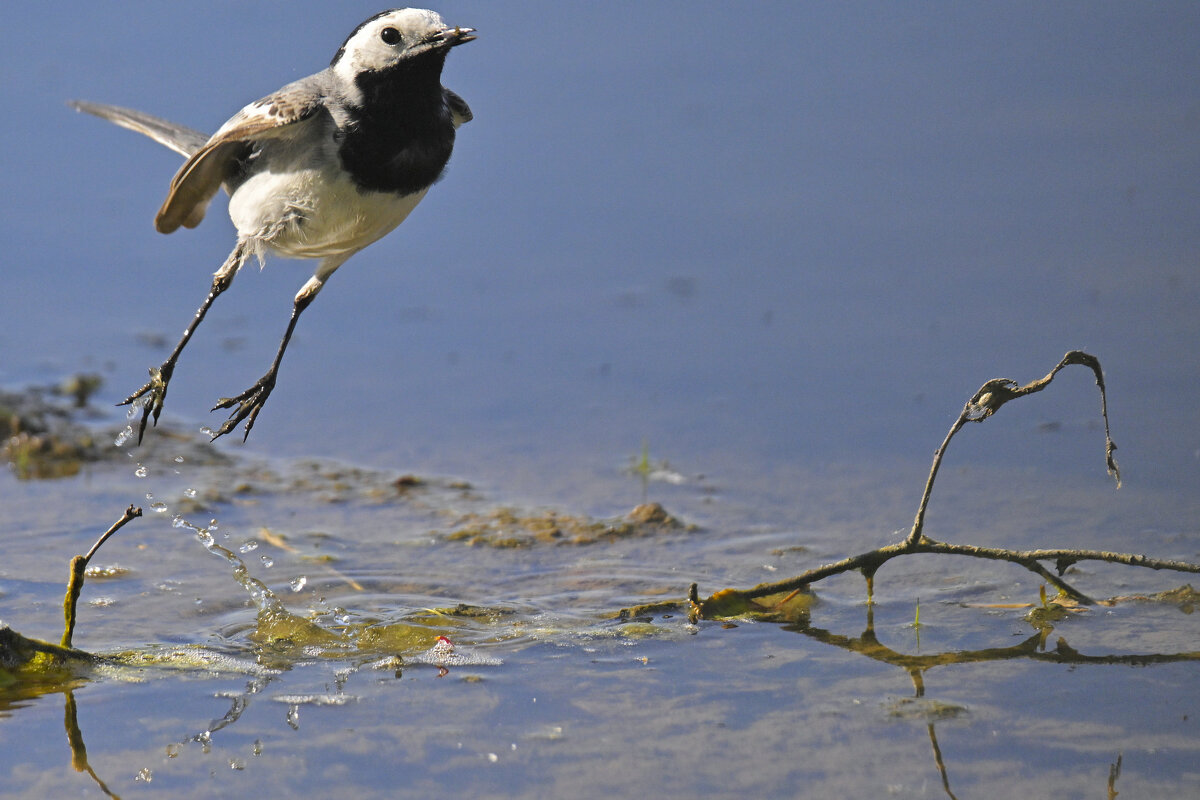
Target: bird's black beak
x,y
452,37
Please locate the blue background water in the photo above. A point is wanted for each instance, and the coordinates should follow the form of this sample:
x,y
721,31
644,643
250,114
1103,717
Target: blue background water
x,y
794,231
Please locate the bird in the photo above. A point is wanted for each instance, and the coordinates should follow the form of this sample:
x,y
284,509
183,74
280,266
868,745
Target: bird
x,y
319,169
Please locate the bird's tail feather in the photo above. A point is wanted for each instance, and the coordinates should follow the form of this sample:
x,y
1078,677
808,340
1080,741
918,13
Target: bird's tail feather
x,y
181,139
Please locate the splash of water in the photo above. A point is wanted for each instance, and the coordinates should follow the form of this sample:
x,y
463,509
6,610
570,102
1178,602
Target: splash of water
x,y
264,599
124,436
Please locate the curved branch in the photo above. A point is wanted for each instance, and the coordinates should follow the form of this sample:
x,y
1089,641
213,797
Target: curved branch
x,y
1029,559
983,404
994,394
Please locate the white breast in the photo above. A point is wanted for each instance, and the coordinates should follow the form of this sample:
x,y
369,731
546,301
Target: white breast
x,y
291,206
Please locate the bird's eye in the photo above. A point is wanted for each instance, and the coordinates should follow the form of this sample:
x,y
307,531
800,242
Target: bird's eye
x,y
390,36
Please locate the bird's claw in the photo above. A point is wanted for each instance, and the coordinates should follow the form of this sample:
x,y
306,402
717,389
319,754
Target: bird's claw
x,y
248,404
152,405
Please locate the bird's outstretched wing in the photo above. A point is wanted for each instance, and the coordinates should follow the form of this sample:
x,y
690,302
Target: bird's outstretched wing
x,y
199,179
180,138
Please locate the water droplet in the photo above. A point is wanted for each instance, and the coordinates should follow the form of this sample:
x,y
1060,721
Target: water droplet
x,y
293,717
248,547
144,774
141,471
149,496
297,584
258,747
207,431
178,459
237,763
178,522
268,561
159,507
173,749
189,492
212,525
124,436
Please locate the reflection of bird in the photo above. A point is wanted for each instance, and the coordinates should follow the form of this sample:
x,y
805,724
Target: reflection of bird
x,y
320,169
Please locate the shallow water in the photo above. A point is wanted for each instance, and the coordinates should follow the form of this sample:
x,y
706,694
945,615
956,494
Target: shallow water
x,y
545,691
779,245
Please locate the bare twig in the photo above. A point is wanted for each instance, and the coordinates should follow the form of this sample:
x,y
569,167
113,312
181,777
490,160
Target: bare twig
x,y
983,404
988,400
1026,558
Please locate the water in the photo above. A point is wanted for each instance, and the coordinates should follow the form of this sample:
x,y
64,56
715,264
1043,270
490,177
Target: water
x,y
350,644
768,250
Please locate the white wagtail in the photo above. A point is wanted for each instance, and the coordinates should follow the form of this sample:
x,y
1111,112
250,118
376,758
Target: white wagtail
x,y
320,169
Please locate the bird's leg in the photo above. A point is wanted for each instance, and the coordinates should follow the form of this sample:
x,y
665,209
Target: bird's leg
x,y
160,376
251,401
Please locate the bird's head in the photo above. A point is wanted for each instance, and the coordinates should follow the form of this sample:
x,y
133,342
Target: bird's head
x,y
393,37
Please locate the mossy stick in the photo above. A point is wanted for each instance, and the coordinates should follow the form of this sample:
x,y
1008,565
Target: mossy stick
x,y
79,567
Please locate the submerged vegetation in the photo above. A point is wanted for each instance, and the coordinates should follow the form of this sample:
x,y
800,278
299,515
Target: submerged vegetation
x,y
39,435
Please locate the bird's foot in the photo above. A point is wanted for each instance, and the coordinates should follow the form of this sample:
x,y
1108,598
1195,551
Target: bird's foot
x,y
150,397
248,404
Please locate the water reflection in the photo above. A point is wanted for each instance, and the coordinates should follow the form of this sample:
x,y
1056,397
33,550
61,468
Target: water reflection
x,y
79,759
1033,648
920,708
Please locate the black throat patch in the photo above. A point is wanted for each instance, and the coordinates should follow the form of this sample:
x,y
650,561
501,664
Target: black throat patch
x,y
400,139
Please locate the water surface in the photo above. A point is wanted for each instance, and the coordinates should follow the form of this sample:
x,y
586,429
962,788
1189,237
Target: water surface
x,y
780,244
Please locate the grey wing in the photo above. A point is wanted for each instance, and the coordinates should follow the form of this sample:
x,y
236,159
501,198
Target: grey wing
x,y
180,138
459,110
202,175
